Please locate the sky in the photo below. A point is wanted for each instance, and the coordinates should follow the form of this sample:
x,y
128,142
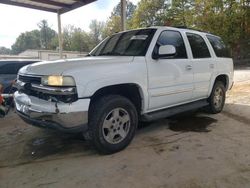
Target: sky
x,y
15,20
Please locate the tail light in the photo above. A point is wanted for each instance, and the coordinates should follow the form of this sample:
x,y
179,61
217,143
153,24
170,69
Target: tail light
x,y
1,91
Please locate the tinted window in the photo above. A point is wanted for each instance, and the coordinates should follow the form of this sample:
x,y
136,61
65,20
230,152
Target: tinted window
x,y
11,68
131,43
219,47
173,38
198,46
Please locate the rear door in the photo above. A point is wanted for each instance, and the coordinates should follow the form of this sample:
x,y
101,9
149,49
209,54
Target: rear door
x,y
203,65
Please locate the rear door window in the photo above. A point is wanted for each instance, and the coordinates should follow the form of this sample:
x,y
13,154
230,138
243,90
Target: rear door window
x,y
198,46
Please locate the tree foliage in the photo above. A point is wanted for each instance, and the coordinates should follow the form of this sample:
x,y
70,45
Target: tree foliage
x,y
42,38
27,40
75,39
96,30
5,51
46,34
113,23
149,13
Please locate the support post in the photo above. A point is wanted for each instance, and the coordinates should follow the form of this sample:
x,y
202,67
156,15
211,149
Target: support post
x,y
123,14
60,42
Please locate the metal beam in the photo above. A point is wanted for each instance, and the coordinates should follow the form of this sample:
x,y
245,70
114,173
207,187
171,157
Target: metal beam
x,y
60,41
75,5
54,3
123,14
7,2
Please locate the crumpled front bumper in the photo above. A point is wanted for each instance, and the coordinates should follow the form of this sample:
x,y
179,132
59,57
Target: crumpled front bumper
x,y
67,117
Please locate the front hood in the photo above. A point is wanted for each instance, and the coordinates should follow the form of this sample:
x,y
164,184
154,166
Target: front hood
x,y
60,66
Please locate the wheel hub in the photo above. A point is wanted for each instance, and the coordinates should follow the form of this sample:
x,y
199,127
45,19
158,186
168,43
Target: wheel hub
x,y
116,125
218,97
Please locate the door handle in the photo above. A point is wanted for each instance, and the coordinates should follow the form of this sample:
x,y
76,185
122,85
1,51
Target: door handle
x,y
211,66
189,67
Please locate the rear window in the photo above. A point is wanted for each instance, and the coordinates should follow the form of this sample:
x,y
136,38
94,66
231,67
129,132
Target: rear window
x,y
219,47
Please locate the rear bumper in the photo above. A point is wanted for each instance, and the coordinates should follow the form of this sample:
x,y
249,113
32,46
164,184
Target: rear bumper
x,y
231,86
66,117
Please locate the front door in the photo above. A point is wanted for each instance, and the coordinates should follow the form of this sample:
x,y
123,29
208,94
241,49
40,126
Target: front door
x,y
170,81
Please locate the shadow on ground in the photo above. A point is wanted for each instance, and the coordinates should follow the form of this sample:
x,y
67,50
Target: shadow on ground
x,y
32,144
56,144
192,121
191,124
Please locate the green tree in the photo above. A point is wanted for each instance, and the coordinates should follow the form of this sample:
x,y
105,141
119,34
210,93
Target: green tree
x,y
96,30
44,38
75,39
5,51
129,11
46,34
149,13
80,41
113,24
27,40
228,19
180,13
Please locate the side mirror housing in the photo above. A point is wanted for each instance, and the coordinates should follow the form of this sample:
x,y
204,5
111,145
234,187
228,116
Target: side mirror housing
x,y
165,51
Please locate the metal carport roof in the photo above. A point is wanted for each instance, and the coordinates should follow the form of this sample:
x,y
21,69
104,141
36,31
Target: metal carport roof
x,y
60,7
56,6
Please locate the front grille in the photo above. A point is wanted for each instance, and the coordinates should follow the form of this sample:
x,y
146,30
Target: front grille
x,y
29,79
52,98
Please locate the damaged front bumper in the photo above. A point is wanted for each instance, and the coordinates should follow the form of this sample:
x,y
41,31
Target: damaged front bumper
x,y
67,117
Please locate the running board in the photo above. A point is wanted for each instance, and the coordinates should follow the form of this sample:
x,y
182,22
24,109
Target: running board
x,y
173,110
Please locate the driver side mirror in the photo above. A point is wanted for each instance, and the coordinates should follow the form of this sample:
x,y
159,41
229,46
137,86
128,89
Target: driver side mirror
x,y
165,51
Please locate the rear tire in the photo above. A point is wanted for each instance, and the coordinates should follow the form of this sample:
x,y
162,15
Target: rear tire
x,y
217,98
113,122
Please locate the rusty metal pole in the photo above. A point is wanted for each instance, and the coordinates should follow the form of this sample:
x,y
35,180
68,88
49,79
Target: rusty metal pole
x,y
60,35
123,14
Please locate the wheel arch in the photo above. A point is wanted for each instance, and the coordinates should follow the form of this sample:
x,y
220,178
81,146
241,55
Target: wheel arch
x,y
131,91
224,78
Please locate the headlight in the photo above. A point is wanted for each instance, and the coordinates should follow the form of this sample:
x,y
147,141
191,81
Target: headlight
x,y
58,81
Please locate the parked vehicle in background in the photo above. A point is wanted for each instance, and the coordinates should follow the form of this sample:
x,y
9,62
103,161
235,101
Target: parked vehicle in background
x,y
9,69
137,75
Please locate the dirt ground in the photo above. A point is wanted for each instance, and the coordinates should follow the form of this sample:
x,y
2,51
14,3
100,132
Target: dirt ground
x,y
197,150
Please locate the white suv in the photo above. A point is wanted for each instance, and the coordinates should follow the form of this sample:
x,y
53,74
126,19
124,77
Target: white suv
x,y
137,75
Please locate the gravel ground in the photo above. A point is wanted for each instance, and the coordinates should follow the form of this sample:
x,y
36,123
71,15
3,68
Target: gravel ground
x,y
195,150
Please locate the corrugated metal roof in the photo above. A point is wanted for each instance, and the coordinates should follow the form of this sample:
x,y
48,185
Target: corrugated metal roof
x,y
60,6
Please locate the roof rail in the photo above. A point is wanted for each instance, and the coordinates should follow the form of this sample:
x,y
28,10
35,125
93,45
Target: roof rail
x,y
185,27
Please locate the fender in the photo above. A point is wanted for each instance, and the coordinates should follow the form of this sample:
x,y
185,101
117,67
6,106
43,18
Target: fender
x,y
92,87
213,79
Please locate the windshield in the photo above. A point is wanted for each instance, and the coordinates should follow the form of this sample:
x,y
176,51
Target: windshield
x,y
131,43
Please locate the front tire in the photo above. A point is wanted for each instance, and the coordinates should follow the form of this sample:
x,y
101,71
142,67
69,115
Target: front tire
x,y
217,98
113,122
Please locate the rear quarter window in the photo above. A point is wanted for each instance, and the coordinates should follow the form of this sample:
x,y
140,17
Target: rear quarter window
x,y
219,47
